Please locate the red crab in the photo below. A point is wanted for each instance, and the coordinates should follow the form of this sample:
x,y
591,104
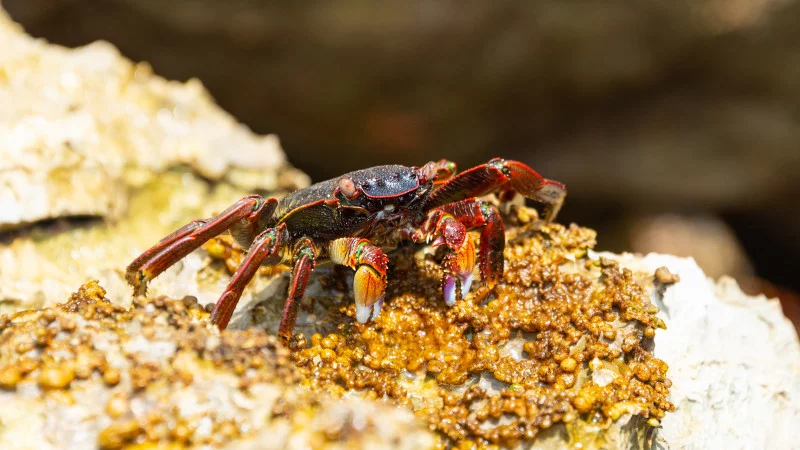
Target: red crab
x,y
349,218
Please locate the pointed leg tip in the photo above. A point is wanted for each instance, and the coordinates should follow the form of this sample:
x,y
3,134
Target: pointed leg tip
x,y
466,283
140,290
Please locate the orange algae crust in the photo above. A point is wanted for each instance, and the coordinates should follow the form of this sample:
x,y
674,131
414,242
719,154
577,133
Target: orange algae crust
x,y
158,375
563,342
562,339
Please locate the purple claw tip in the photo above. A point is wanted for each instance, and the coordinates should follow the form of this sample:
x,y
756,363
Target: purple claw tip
x,y
449,290
376,309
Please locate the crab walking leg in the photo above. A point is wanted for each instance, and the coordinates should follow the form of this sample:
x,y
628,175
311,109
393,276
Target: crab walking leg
x,y
369,283
304,258
266,249
460,261
244,214
496,176
475,213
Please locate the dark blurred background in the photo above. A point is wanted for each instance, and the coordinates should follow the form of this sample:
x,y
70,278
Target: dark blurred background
x,y
675,125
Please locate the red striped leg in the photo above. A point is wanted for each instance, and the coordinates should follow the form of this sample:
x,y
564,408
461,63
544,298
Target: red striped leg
x,y
186,239
267,248
499,175
304,258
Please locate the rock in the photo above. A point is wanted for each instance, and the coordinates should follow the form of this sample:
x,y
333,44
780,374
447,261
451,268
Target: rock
x,y
88,134
83,126
158,373
568,348
734,362
468,370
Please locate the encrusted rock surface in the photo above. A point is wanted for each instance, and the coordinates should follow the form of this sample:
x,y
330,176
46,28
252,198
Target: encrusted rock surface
x,y
560,352
91,374
569,349
734,362
566,350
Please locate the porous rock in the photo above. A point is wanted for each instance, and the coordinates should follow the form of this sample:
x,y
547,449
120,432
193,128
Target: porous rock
x,y
80,126
88,134
734,362
89,374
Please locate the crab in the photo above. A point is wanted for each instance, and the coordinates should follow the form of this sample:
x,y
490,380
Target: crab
x,y
349,219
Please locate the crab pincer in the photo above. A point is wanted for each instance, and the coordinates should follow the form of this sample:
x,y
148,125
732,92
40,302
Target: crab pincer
x,y
369,282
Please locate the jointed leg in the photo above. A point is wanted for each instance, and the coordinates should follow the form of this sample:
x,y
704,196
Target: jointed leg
x,y
244,214
499,175
304,258
266,248
369,284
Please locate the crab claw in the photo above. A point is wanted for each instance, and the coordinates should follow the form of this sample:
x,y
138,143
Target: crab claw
x,y
369,288
458,267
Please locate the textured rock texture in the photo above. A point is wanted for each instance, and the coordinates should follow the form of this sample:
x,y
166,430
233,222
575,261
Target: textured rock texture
x,y
89,374
567,349
80,126
87,134
92,373
734,362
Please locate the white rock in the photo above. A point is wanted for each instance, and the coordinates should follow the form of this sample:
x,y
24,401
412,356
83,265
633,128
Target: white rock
x,y
734,362
85,132
80,127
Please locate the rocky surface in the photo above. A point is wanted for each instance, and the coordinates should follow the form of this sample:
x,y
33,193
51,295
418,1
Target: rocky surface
x,y
91,374
734,362
88,134
81,126
569,349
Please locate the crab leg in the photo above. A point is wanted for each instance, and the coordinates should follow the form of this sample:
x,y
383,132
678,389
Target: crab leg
x,y
304,258
369,283
244,215
475,213
266,248
501,175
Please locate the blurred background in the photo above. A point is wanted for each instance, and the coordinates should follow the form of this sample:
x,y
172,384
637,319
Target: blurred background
x,y
675,125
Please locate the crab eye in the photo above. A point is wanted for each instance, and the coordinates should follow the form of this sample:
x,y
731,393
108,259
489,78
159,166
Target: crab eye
x,y
429,171
347,188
